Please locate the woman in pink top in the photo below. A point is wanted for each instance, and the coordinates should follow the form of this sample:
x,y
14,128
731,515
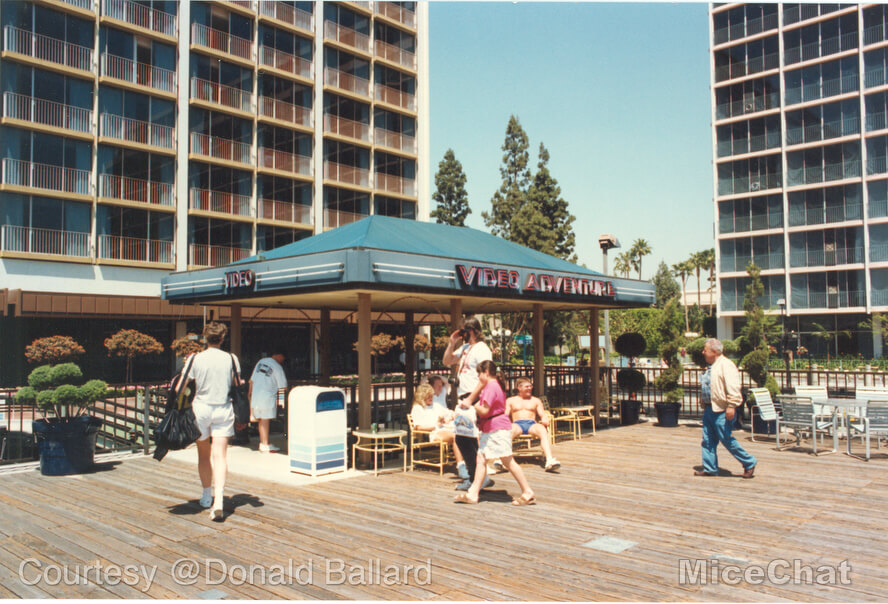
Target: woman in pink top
x,y
496,435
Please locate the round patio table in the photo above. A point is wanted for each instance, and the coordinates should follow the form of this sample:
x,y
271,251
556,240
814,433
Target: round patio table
x,y
382,441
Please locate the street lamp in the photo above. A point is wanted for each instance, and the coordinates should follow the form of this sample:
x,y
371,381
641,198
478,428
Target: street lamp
x,y
502,334
605,242
784,341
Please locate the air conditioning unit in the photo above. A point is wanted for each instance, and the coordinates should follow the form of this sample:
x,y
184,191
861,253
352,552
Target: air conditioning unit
x,y
755,186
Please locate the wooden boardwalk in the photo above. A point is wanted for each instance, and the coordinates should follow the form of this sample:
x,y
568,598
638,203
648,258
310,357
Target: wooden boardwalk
x,y
632,485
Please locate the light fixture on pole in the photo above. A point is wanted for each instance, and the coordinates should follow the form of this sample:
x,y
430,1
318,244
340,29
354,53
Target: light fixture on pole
x,y
502,334
606,242
784,341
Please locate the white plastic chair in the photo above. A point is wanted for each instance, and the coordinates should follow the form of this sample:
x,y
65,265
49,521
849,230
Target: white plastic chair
x,y
766,409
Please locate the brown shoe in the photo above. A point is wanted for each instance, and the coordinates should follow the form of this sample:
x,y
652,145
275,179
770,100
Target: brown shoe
x,y
702,473
749,472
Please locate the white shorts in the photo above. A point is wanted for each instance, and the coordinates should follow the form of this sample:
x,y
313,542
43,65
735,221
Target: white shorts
x,y
264,407
214,420
496,444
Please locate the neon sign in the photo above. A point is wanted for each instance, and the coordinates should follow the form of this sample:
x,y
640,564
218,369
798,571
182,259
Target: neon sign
x,y
475,276
240,279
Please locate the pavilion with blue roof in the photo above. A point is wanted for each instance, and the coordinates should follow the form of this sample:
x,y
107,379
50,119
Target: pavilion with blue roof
x,y
392,265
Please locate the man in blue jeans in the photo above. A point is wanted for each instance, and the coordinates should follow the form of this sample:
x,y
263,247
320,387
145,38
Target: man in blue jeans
x,y
721,396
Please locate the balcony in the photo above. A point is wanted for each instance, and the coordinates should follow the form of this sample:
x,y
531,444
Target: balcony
x,y
227,96
395,184
845,299
84,4
392,53
221,41
278,59
44,241
113,247
219,202
347,36
42,47
136,189
874,34
140,16
734,302
142,74
878,252
346,81
45,176
286,13
806,216
806,258
137,131
738,264
215,255
285,211
393,96
338,218
220,148
396,12
349,175
287,112
285,162
395,140
342,126
48,113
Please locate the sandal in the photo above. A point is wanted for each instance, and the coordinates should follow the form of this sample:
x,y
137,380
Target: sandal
x,y
463,498
524,500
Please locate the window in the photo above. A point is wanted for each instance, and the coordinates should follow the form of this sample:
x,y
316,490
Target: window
x,y
219,178
271,237
398,208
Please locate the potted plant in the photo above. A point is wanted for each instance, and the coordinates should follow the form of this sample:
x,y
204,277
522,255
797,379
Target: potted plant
x,y
667,382
630,380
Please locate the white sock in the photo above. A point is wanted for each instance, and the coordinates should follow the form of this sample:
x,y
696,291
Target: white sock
x,y
217,501
207,492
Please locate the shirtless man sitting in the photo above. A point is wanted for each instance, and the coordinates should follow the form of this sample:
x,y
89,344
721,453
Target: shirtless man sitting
x,y
529,417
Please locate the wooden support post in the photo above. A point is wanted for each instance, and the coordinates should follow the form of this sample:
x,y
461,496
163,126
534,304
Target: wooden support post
x,y
594,364
236,330
539,361
455,323
364,390
409,356
324,348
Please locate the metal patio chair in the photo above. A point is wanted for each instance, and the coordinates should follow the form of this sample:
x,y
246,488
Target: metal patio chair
x,y
818,396
799,415
766,409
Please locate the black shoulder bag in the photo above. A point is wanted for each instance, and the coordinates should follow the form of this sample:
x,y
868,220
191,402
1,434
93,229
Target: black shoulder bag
x,y
178,428
239,396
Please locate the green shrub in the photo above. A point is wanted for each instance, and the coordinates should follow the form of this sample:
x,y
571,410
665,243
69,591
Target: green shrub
x,y
695,349
45,399
630,344
26,396
41,378
631,380
667,382
66,373
756,365
91,391
66,394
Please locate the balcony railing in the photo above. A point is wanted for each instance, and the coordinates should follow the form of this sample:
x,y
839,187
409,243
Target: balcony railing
x,y
733,264
874,34
874,76
346,81
278,59
220,148
392,53
49,49
351,175
394,140
44,241
143,74
396,12
288,112
285,211
229,96
215,255
85,4
346,127
219,202
137,131
286,13
393,96
876,164
338,218
287,162
114,247
821,215
46,176
844,299
137,189
347,36
733,302
804,258
878,252
140,16
220,40
395,184
49,113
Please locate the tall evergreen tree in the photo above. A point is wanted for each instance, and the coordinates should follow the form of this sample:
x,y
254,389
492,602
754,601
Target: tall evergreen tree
x,y
545,195
666,286
516,177
451,199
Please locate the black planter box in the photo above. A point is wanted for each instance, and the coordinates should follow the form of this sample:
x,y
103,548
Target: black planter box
x,y
67,446
629,411
667,414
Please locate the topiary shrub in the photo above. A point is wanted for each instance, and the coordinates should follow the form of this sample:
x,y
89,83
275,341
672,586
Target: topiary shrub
x,y
66,373
55,389
631,344
41,378
631,380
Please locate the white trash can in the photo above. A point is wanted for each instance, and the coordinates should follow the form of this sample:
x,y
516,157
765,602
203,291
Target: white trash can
x,y
317,430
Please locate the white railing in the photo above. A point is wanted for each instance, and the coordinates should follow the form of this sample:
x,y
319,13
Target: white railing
x,y
220,148
338,218
114,247
346,127
143,74
285,211
394,140
44,241
137,131
278,59
140,16
219,202
50,113
287,162
86,4
45,176
346,81
287,14
215,255
392,53
351,175
393,96
228,96
347,36
395,184
49,49
137,189
396,12
288,112
220,40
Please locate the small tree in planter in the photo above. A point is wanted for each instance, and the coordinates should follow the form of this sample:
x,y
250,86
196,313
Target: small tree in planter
x,y
667,382
130,343
67,440
630,380
53,350
190,343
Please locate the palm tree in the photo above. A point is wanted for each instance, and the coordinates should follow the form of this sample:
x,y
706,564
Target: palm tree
x,y
622,264
640,248
829,335
709,264
699,260
683,271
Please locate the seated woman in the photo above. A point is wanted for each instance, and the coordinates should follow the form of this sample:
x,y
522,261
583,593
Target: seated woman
x,y
428,416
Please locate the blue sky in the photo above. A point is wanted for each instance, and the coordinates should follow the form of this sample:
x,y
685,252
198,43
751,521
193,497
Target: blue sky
x,y
618,93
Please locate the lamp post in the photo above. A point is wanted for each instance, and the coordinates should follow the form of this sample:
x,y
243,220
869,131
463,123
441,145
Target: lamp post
x,y
502,334
784,341
606,242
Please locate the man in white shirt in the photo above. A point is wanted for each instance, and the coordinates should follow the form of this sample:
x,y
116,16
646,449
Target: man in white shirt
x,y
268,377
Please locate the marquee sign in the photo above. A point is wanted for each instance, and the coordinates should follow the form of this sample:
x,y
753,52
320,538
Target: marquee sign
x,y
240,280
479,276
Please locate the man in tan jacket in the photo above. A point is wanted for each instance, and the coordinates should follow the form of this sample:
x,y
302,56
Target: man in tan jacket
x,y
720,387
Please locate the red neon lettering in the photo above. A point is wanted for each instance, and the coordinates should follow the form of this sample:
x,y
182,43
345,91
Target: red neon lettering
x,y
467,276
502,278
610,289
489,277
513,279
531,282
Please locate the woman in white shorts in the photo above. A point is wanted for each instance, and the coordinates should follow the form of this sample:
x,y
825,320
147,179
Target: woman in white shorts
x,y
213,375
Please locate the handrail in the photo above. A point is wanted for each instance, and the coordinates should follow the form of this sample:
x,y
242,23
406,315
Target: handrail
x,y
346,127
221,40
285,211
45,176
286,13
47,48
121,68
219,201
229,96
215,255
137,131
346,35
390,52
283,160
115,247
288,112
346,81
50,113
35,240
394,140
141,16
137,189
393,96
278,59
397,12
352,175
395,184
220,148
